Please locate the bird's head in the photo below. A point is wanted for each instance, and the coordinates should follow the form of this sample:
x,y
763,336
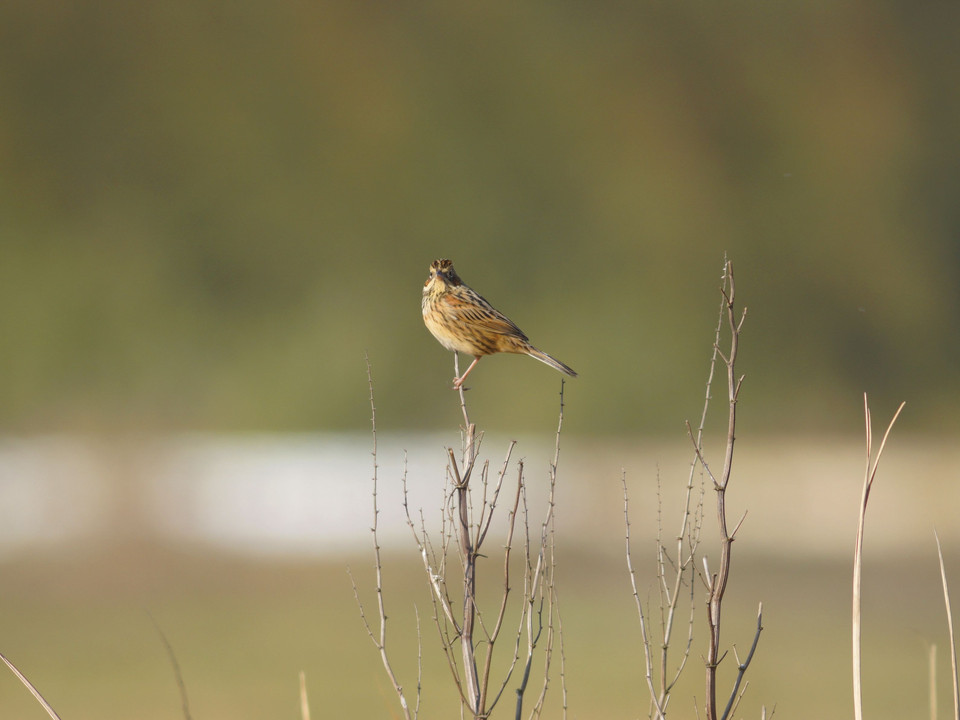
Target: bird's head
x,y
442,275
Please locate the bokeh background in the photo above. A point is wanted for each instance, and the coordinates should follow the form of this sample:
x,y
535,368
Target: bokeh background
x,y
209,213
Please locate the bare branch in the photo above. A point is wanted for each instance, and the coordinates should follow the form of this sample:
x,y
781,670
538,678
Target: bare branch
x,y
718,583
699,457
486,514
470,502
416,710
492,637
548,587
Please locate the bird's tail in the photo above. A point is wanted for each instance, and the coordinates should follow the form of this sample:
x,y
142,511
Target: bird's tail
x,y
551,361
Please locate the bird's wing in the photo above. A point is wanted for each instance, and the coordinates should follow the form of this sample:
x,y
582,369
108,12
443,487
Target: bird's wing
x,y
474,311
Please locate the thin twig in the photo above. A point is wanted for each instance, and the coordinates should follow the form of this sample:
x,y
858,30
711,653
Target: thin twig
x,y
529,600
742,667
416,710
181,685
563,659
487,511
495,633
380,642
648,660
548,586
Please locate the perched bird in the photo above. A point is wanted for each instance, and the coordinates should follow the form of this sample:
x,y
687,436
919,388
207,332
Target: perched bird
x,y
464,322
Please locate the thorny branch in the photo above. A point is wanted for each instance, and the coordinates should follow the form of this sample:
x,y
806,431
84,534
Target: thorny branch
x,y
380,639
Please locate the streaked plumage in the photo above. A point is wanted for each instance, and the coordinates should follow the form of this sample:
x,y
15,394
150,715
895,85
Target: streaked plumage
x,y
463,321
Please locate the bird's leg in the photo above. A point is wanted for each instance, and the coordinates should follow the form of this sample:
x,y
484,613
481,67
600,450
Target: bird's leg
x,y
457,382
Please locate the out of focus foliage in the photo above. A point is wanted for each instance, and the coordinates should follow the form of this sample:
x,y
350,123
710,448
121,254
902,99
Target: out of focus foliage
x,y
210,210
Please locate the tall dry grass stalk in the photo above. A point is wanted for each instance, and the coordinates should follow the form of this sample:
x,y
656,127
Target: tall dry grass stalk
x,y
953,646
304,701
869,475
29,685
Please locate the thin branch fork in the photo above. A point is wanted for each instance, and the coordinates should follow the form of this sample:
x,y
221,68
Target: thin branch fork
x,y
735,696
498,625
647,654
541,597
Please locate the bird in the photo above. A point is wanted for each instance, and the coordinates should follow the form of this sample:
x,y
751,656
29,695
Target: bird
x,y
463,321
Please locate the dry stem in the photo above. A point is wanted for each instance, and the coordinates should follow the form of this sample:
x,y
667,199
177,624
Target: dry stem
x,y
953,647
869,475
29,685
304,701
181,685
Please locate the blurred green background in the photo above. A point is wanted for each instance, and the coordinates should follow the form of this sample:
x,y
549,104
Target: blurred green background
x,y
211,210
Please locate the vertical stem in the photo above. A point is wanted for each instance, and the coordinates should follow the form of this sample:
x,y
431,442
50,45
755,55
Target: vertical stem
x,y
468,556
857,569
869,475
718,583
381,641
469,599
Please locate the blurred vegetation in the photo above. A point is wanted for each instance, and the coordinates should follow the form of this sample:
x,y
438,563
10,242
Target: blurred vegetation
x,y
211,210
242,630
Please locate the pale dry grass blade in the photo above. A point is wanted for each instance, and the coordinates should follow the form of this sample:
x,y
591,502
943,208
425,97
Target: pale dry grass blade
x,y
304,703
30,687
869,475
932,672
953,647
